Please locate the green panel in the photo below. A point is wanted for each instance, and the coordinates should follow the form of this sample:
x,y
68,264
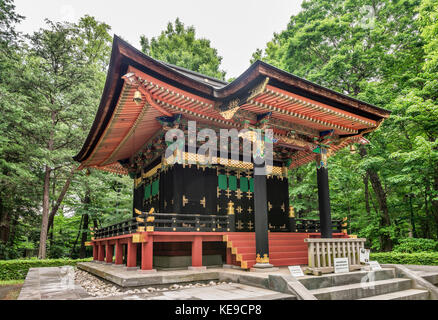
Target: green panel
x,y
155,187
251,184
232,183
222,182
244,184
147,191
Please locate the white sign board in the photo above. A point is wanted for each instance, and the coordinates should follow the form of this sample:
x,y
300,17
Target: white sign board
x,y
341,265
296,271
364,255
374,265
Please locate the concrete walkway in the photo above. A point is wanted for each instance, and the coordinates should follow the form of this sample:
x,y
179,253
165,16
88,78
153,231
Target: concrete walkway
x,y
52,283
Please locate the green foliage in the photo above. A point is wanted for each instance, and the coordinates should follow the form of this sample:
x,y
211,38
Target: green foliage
x,y
179,46
17,269
412,245
416,258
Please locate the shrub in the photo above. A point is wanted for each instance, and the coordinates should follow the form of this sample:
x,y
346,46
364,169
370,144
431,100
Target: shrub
x,y
17,269
411,245
418,258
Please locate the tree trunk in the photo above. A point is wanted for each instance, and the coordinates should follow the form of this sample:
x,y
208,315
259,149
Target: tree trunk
x,y
4,223
435,200
385,220
82,251
367,195
61,197
45,216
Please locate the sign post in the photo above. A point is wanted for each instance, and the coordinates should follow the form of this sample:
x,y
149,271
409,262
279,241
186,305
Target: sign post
x,y
296,271
341,265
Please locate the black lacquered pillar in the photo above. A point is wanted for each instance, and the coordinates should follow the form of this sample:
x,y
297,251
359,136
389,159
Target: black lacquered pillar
x,y
261,215
323,195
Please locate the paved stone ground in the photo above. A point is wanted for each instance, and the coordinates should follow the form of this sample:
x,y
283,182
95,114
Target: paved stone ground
x,y
233,291
52,283
58,283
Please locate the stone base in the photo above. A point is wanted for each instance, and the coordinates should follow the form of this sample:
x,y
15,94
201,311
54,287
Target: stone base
x,y
271,269
148,271
132,268
197,268
227,266
119,265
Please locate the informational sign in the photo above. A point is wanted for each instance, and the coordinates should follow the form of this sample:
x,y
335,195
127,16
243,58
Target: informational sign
x,y
341,265
374,265
364,255
296,271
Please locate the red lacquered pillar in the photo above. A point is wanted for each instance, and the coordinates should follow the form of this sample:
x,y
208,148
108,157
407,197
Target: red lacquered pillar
x,y
197,252
100,255
119,252
147,254
109,253
132,254
229,256
95,250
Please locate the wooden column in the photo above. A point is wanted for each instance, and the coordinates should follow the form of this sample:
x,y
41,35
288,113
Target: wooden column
x,y
95,251
261,215
132,254
229,256
100,255
323,195
109,253
119,252
147,254
197,252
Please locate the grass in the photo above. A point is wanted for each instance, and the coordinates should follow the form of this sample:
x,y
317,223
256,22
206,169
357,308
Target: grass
x,y
10,282
10,289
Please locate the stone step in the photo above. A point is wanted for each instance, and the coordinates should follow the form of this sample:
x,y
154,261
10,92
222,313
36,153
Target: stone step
x,y
410,294
362,290
340,279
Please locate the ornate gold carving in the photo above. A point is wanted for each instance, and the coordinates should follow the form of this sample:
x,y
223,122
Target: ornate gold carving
x,y
230,210
291,212
269,206
239,209
202,202
239,225
250,225
138,219
249,195
259,88
250,210
184,200
137,211
283,207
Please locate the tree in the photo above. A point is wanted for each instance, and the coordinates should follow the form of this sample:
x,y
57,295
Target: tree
x,y
62,76
178,45
369,50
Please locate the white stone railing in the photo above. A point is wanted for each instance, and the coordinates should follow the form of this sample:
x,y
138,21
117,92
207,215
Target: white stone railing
x,y
323,251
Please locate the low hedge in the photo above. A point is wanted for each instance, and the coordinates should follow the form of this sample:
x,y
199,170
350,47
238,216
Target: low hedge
x,y
418,258
17,269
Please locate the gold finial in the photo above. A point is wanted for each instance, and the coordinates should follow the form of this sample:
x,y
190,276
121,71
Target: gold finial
x,y
265,259
230,208
291,212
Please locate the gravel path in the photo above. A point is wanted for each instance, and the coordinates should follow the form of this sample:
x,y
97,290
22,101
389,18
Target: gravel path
x,y
97,287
